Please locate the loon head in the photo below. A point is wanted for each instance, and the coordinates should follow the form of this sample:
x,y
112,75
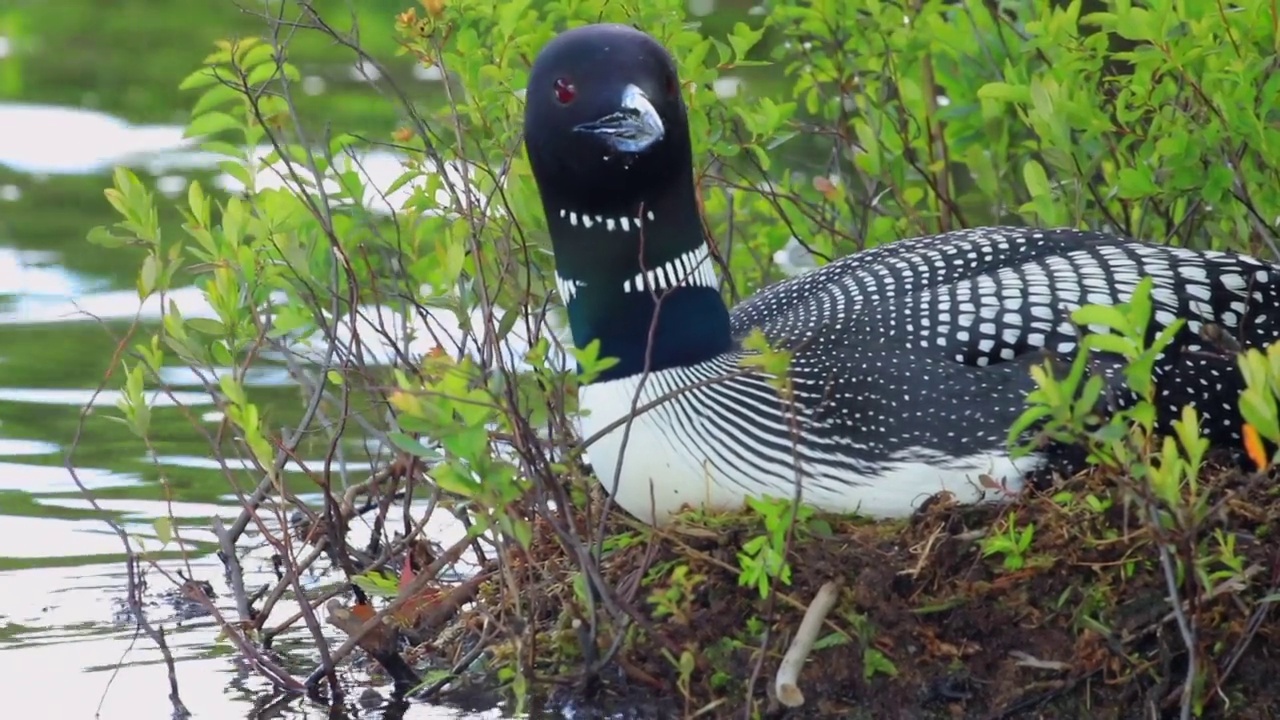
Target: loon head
x,y
605,122
607,134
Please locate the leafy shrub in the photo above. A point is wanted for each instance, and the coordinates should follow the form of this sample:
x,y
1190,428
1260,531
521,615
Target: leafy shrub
x,y
877,124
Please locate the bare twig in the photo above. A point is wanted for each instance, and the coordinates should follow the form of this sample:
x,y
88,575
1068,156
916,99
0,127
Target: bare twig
x,y
235,575
786,682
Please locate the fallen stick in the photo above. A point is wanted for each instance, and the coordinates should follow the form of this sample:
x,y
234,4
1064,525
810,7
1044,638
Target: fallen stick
x,y
785,686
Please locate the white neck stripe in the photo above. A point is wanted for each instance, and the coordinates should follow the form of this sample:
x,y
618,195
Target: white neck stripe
x,y
692,268
625,224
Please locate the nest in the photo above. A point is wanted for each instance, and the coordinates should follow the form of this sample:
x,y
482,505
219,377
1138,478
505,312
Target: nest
x,y
930,621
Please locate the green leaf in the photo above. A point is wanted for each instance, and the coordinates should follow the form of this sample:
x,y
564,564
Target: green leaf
x,y
207,326
214,97
410,445
234,390
103,237
742,40
1107,316
409,423
1036,179
1115,344
453,480
590,362
821,528
830,640
257,55
164,530
378,583
203,77
1025,421
1136,24
469,443
1137,182
262,74
211,123
218,147
1004,92
874,661
1258,408
238,171
148,275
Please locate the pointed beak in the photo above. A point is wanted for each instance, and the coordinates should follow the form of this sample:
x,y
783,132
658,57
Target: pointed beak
x,y
633,128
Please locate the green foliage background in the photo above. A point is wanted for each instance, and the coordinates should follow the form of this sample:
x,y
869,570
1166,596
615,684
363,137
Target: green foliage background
x,y
1157,120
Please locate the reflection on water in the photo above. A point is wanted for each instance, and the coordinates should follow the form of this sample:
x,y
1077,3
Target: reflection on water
x,y
35,274
53,479
13,447
81,397
45,140
383,333
59,619
41,141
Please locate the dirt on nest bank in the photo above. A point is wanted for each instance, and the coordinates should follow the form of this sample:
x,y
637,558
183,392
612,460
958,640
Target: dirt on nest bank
x,y
927,627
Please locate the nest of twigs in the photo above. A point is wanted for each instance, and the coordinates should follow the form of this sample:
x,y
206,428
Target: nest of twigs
x,y
926,623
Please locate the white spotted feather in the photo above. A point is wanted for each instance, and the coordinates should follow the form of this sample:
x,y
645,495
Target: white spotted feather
x,y
910,361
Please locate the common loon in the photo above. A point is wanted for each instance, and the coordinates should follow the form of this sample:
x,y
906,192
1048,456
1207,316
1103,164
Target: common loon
x,y
910,361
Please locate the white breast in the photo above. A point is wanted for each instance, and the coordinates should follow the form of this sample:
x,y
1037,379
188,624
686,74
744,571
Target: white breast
x,y
670,460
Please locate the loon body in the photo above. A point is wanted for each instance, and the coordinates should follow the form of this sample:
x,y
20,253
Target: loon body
x,y
910,361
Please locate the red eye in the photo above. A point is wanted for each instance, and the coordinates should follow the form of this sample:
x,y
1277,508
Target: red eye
x,y
673,86
565,91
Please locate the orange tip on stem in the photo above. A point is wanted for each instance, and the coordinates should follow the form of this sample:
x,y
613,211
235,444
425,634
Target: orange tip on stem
x,y
1253,446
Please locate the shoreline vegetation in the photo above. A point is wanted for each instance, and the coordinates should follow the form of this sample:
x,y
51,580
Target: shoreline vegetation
x,y
1141,588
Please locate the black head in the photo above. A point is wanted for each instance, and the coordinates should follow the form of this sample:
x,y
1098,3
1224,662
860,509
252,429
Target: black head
x,y
604,118
608,139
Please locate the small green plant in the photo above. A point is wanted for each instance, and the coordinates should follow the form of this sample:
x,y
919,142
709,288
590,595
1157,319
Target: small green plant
x,y
1222,563
1096,504
875,662
1011,543
622,540
1159,471
672,599
378,583
1092,502
1068,408
763,558
685,666
1261,371
774,363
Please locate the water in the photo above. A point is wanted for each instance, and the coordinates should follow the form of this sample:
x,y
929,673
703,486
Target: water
x,y
76,100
